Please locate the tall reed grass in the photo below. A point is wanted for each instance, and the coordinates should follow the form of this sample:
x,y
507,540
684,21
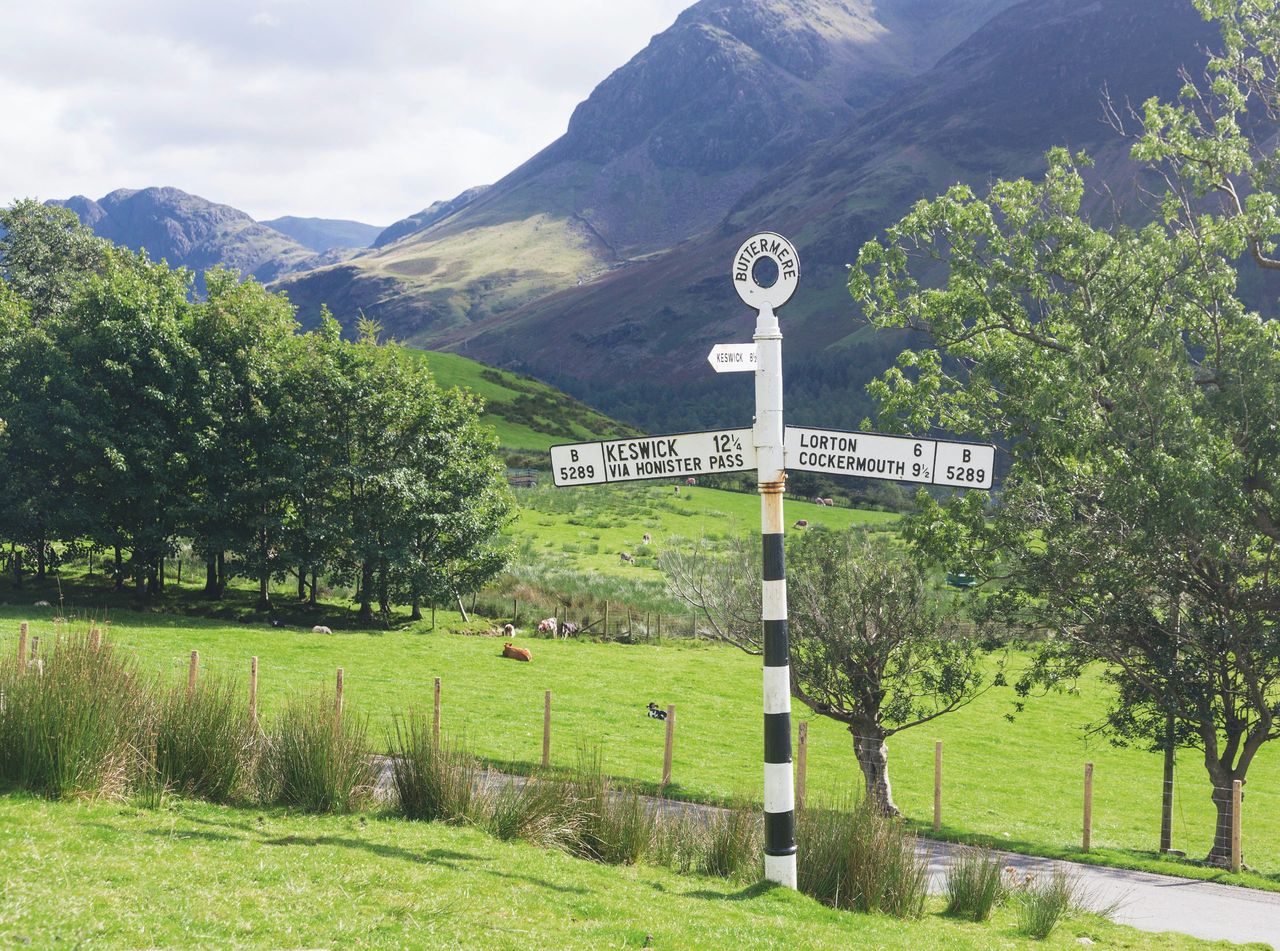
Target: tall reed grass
x,y
314,760
202,739
72,725
433,782
975,884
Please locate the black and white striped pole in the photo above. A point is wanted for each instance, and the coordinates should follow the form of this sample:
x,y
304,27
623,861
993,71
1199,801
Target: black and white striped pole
x,y
779,788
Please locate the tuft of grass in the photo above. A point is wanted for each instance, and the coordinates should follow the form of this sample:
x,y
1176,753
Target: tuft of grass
x,y
1043,901
862,860
316,761
618,827
70,725
540,810
731,844
202,740
434,782
975,884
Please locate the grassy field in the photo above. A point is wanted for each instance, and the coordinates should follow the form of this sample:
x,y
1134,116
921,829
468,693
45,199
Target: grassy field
x,y
198,876
1018,783
585,529
527,415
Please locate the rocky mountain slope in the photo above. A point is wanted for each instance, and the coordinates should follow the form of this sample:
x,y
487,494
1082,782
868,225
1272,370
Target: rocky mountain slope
x,y
659,153
189,231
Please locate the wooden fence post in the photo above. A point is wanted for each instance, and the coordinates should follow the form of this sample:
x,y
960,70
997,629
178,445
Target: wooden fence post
x,y
1088,806
515,612
253,690
337,696
1237,800
22,647
606,620
666,757
937,787
435,718
35,650
546,730
192,670
802,763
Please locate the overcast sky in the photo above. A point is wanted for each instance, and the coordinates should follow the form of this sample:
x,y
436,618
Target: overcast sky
x,y
365,109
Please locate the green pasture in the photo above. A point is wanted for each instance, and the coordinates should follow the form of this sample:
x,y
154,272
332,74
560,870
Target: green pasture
x,y
586,529
198,876
1019,784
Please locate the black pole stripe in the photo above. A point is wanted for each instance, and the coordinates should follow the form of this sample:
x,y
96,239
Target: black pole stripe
x,y
777,738
776,649
775,557
780,833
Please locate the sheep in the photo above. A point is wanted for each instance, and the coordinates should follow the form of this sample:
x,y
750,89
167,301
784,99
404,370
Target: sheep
x,y
321,629
508,630
548,626
802,523
647,538
677,490
829,502
626,557
43,604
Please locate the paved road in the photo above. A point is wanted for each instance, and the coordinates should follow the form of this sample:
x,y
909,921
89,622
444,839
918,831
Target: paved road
x,y
1145,901
1152,902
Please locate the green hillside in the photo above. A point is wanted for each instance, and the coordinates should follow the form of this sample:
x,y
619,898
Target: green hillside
x,y
528,416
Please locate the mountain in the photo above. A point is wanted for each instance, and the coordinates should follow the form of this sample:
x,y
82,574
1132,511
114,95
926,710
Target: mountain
x,y
436,211
1031,78
660,152
325,234
189,231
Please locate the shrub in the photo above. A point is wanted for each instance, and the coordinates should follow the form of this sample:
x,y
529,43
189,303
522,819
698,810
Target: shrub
x,y
975,884
72,724
315,761
1043,901
862,860
433,782
202,739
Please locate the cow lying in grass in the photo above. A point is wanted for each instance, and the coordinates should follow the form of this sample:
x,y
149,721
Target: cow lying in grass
x,y
516,653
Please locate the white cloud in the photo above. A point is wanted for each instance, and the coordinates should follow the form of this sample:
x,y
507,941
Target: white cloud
x,y
365,110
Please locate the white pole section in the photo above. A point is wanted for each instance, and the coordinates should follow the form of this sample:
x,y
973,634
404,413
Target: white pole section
x,y
779,789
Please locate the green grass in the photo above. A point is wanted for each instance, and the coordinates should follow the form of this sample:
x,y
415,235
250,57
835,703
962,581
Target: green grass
x,y
585,529
1016,785
199,876
528,416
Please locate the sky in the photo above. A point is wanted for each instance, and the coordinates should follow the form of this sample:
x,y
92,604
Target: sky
x,y
364,109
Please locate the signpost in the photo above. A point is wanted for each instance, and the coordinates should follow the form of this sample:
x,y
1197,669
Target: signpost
x,y
769,448
732,357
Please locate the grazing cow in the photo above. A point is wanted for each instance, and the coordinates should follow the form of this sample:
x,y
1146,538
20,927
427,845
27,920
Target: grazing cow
x,y
647,538
802,523
691,481
320,629
625,557
654,713
568,629
516,653
548,626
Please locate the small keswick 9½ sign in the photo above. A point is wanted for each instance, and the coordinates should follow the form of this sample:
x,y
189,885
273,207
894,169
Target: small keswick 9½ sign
x,y
770,449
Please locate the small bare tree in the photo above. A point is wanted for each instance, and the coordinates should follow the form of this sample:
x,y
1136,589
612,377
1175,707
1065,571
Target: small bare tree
x,y
872,646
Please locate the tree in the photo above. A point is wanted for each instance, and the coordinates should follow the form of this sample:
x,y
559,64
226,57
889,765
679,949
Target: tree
x,y
871,646
1135,522
47,256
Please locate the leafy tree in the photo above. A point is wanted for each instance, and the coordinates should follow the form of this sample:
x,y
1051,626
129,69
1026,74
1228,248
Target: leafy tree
x,y
871,646
1135,519
47,256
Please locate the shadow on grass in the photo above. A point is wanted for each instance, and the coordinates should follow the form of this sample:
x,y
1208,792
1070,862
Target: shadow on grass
x,y
540,882
745,894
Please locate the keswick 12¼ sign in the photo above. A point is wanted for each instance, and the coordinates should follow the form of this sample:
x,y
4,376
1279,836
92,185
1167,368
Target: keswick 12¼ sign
x,y
653,457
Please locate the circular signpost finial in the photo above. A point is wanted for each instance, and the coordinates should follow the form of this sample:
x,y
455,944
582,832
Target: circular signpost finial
x,y
777,249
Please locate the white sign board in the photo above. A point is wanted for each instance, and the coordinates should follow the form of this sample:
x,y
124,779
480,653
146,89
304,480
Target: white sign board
x,y
653,457
896,458
732,357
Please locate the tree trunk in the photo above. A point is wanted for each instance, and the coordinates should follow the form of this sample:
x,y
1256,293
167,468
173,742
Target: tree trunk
x,y
873,758
416,613
40,560
222,574
211,578
302,583
15,559
1220,854
315,586
366,594
160,574
119,569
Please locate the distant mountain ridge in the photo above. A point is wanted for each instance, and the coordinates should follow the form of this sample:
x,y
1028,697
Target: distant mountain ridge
x,y
325,234
189,231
